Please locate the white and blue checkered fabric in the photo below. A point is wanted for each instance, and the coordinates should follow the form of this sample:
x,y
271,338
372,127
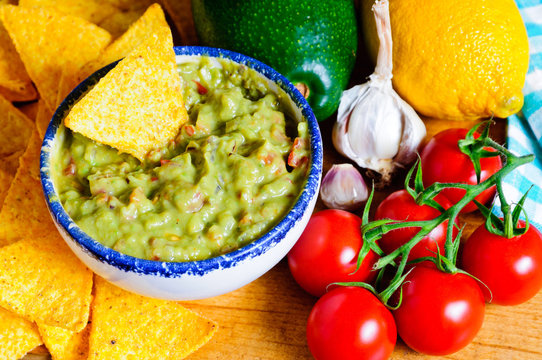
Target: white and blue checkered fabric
x,y
524,133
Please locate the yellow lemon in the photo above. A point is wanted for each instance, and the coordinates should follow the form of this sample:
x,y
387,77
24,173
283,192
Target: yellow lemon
x,y
456,60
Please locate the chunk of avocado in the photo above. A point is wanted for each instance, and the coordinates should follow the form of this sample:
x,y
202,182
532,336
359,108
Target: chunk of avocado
x,y
312,43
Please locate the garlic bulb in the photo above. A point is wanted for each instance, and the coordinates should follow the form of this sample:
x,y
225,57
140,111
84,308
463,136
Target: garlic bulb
x,y
343,188
375,127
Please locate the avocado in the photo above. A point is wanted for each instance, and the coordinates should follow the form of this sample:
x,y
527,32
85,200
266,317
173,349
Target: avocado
x,y
312,43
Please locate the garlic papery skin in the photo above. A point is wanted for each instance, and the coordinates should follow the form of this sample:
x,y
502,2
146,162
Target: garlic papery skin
x,y
343,188
375,127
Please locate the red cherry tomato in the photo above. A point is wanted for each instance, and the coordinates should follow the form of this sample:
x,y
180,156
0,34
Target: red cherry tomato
x,y
442,161
511,268
327,252
400,205
441,313
350,323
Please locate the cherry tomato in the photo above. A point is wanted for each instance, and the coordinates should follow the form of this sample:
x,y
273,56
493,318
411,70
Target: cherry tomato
x,y
350,323
511,268
400,205
327,252
442,161
441,313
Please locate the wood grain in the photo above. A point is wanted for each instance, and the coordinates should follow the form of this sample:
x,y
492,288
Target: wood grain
x,y
266,320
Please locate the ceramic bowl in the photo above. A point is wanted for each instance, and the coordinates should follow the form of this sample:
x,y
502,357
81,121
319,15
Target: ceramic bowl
x,y
195,279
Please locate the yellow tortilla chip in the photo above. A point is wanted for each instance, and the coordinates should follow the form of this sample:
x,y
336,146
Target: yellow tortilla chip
x,y
17,336
10,163
43,281
40,278
8,168
138,105
152,21
113,16
94,11
43,118
125,323
47,41
24,213
16,128
118,22
68,81
65,344
15,84
14,137
5,181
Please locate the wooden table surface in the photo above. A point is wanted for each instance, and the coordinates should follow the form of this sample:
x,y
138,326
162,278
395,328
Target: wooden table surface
x,y
267,318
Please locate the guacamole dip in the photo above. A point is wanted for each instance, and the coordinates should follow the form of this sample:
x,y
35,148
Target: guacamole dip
x,y
233,171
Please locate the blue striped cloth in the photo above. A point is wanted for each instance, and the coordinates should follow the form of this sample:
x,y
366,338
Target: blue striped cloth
x,y
524,133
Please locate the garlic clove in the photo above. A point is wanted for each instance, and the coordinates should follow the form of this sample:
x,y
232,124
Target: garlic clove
x,y
343,188
375,128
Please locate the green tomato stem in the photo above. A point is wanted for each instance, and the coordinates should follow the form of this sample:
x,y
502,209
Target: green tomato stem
x,y
373,232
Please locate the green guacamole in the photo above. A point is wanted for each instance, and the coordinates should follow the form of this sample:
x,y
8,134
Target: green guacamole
x,y
231,173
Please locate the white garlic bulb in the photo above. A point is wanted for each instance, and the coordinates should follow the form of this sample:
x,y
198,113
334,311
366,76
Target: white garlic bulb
x,y
343,188
375,127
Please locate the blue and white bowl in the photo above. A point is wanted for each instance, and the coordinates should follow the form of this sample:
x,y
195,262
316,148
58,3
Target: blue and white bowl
x,y
195,279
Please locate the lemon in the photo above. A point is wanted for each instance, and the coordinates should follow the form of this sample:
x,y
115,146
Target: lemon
x,y
457,60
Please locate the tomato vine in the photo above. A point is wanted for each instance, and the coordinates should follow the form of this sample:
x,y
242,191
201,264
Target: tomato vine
x,y
476,148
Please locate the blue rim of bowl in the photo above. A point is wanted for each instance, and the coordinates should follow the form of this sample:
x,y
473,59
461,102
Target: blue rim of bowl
x,y
200,267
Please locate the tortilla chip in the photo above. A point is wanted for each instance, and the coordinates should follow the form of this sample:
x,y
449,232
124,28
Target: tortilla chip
x,y
43,118
152,21
5,181
43,281
15,84
148,328
138,105
68,81
119,22
8,169
24,213
16,128
48,41
113,16
40,278
10,163
17,336
93,11
65,344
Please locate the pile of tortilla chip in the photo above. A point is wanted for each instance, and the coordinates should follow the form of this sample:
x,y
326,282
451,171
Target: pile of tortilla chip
x,y
50,303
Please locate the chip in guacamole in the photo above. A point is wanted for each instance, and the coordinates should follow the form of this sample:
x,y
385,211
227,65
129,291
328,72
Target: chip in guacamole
x,y
138,106
152,21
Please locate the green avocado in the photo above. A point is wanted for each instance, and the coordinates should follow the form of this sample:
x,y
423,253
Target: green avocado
x,y
312,43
